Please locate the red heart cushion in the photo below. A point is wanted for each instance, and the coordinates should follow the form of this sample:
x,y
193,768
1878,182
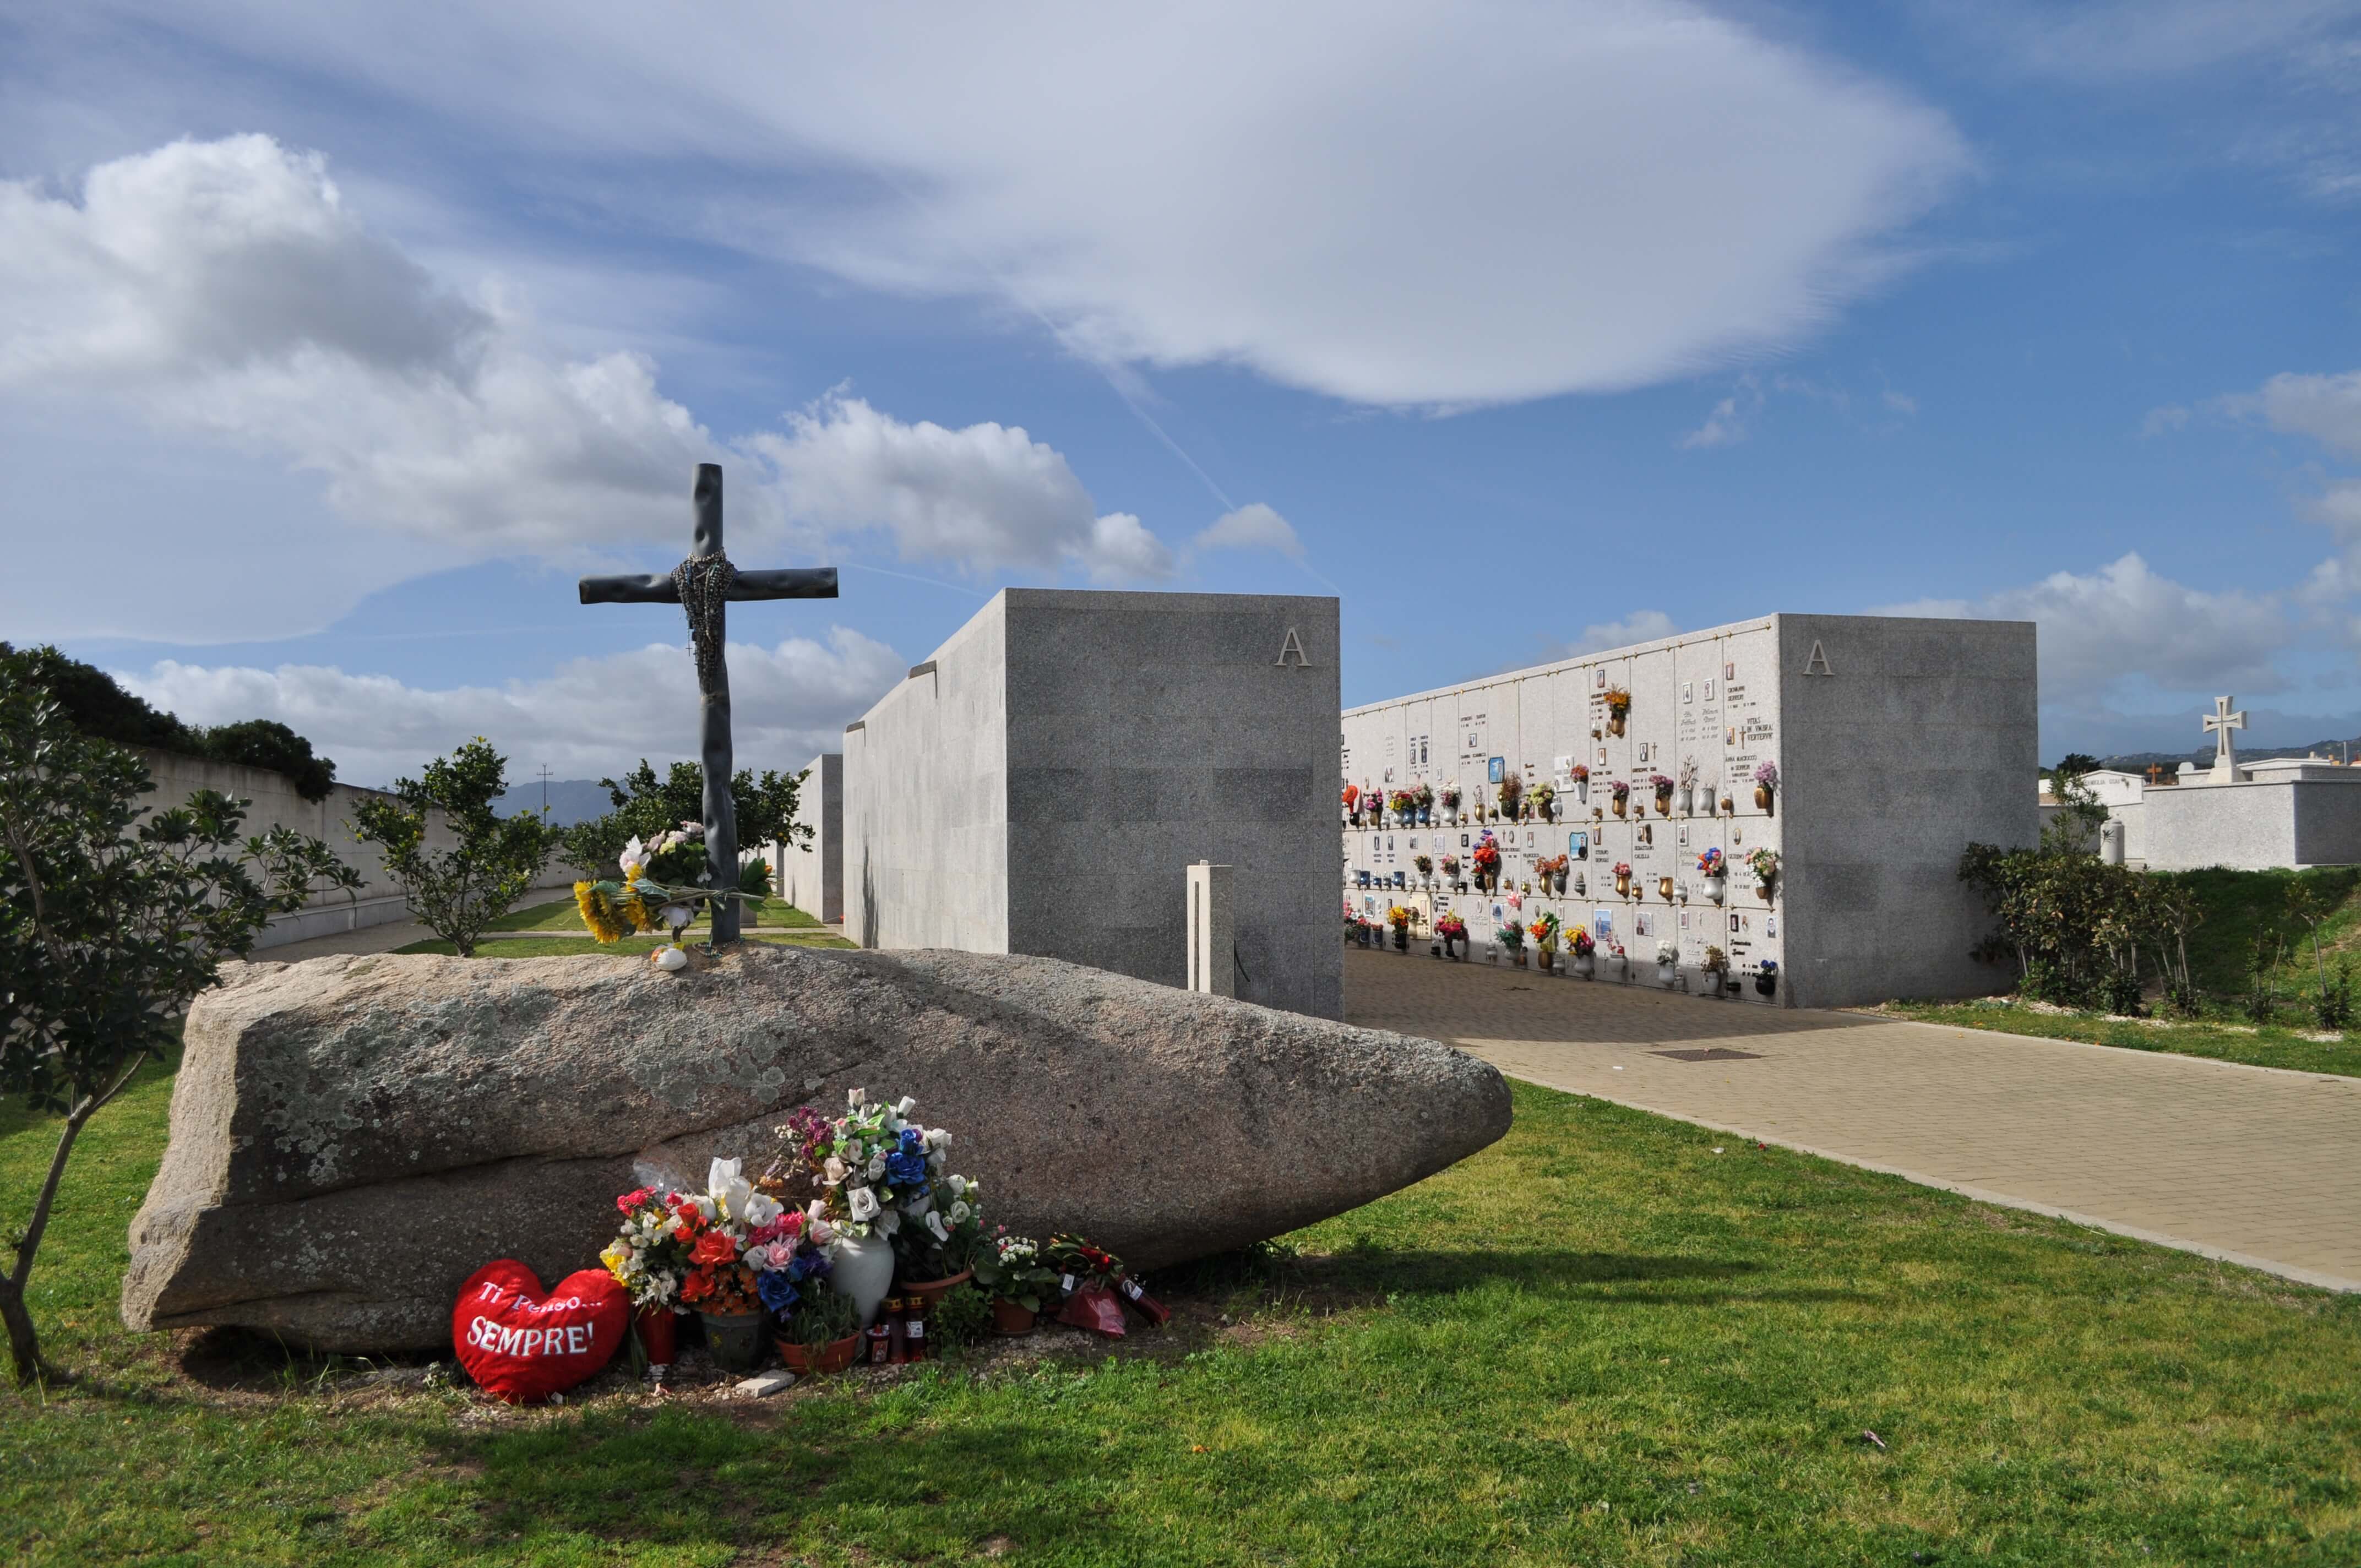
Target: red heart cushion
x,y
524,1344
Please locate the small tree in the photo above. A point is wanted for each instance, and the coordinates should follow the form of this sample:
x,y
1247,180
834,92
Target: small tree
x,y
109,926
457,892
646,805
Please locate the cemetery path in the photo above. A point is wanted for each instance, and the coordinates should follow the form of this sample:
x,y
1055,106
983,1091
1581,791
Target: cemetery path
x,y
2251,1165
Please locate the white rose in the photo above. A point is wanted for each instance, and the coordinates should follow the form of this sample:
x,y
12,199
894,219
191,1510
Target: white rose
x,y
876,1166
833,1171
863,1203
959,1186
762,1209
960,1211
937,1137
904,1106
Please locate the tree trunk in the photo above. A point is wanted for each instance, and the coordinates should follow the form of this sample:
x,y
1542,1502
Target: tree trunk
x,y
23,1343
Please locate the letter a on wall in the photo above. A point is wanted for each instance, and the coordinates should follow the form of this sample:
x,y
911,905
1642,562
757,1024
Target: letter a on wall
x,y
1292,645
1818,664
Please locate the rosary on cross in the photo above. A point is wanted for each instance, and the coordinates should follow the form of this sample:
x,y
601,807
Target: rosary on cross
x,y
703,585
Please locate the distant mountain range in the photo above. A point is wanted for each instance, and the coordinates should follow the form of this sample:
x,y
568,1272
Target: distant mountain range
x,y
570,800
2140,761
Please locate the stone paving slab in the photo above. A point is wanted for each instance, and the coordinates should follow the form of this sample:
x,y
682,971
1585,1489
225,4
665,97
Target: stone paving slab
x,y
2255,1166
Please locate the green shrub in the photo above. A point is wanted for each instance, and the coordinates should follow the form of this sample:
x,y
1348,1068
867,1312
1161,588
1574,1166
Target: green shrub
x,y
960,1319
755,879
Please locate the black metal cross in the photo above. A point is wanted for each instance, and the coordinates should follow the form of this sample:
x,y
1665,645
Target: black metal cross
x,y
713,669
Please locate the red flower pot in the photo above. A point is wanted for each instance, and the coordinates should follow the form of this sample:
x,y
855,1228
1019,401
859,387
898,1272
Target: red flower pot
x,y
835,1357
1011,1319
659,1332
1093,1308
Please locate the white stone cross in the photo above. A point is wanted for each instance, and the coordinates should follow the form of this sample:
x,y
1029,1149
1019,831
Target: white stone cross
x,y
2219,723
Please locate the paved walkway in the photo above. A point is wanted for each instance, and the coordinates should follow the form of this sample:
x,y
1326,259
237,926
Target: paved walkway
x,y
2255,1166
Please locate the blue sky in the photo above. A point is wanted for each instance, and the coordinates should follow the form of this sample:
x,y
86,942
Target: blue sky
x,y
334,346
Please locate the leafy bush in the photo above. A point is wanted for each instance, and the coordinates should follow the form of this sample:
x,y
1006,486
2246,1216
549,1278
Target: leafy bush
x,y
646,805
458,892
755,879
2334,1007
266,743
109,924
2079,927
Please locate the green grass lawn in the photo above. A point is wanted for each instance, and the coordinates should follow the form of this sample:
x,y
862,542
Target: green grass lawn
x,y
1597,1343
562,915
2273,1045
583,947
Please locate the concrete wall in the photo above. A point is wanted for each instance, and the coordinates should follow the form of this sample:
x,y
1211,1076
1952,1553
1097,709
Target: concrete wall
x,y
2312,818
1919,739
1044,786
1916,742
810,874
925,801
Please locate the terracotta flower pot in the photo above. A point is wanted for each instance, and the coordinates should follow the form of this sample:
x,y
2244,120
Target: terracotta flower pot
x,y
1012,1319
805,1362
932,1291
659,1332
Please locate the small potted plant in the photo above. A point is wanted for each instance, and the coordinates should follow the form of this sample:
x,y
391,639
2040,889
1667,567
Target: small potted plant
x,y
1765,864
1581,784
1583,953
1618,796
1398,916
1623,879
1713,873
1423,800
1688,786
1453,930
1663,787
1619,709
1717,966
1449,796
1766,977
1766,785
1668,963
1012,1269
821,1332
1545,801
1512,942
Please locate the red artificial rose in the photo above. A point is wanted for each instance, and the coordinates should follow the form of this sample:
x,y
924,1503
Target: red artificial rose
x,y
714,1247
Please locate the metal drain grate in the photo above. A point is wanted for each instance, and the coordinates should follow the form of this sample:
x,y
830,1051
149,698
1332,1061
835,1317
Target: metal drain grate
x,y
1711,1053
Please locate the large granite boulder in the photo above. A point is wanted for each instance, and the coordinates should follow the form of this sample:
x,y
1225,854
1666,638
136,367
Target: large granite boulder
x,y
352,1136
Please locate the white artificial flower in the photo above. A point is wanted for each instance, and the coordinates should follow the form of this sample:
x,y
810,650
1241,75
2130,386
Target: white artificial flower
x,y
633,859
704,1206
863,1204
904,1106
919,1205
959,1186
854,1099
946,1137
935,1224
762,1209
937,1137
876,1166
833,1171
960,1211
726,1184
894,1124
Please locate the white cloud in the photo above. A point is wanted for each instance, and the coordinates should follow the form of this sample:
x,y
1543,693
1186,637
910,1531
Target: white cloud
x,y
2100,629
1732,419
2325,408
1393,204
1640,626
988,497
223,287
1254,526
594,716
222,293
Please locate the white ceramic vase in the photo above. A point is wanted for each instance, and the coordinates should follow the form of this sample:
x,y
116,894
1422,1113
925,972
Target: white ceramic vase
x,y
1714,887
1666,974
862,1268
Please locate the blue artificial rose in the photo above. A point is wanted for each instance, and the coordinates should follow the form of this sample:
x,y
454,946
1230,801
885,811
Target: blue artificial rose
x,y
907,1169
777,1291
